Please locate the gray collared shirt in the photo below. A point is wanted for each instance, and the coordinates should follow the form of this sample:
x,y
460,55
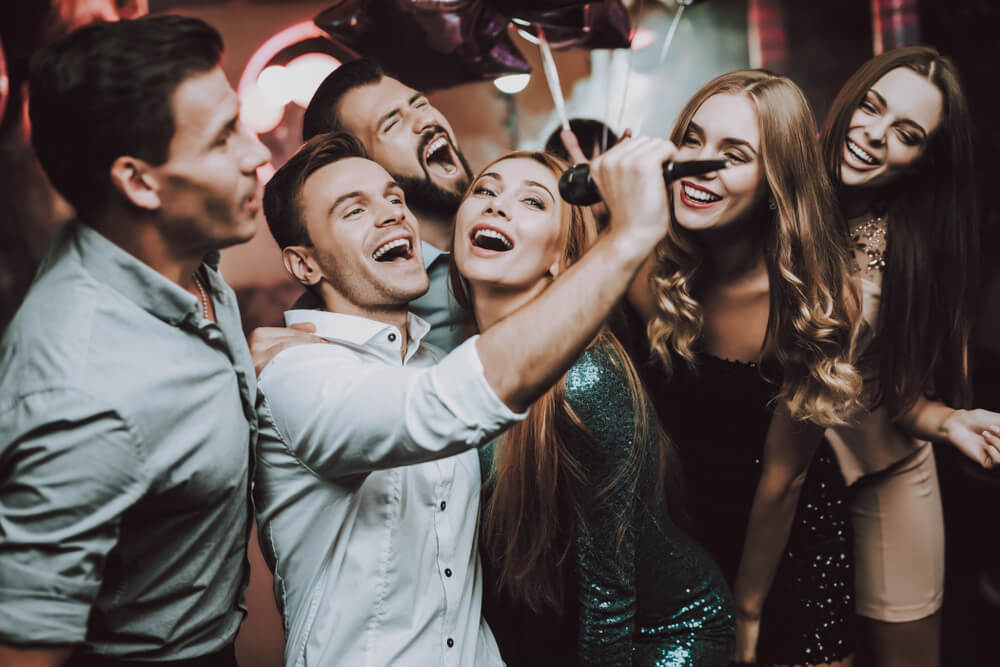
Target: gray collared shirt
x,y
449,323
127,426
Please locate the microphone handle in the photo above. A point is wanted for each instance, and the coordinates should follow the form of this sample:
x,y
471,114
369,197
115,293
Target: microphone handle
x,y
577,187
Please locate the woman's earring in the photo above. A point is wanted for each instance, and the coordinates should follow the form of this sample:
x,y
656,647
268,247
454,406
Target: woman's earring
x,y
771,204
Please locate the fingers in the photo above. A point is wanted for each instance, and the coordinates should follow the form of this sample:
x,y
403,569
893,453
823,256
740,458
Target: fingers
x,y
992,453
573,147
266,342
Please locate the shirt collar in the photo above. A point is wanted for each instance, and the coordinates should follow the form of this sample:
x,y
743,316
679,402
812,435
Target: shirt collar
x,y
136,280
430,253
362,331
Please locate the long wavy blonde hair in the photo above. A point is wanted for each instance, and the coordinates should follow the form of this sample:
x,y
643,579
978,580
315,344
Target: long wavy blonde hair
x,y
814,314
540,489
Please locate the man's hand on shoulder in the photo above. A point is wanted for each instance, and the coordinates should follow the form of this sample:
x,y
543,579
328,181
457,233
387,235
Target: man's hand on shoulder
x,y
266,342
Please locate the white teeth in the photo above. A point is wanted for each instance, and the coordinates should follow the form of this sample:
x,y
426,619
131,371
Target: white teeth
x,y
493,234
437,144
386,247
699,195
860,153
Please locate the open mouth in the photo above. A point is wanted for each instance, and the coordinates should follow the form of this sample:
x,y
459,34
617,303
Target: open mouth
x,y
861,154
397,250
491,239
696,196
439,156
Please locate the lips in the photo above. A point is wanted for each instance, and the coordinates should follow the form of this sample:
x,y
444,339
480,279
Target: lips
x,y
437,155
490,240
697,196
394,250
858,158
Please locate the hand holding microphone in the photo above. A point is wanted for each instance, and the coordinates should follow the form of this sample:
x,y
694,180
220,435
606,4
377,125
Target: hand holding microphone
x,y
577,186
629,178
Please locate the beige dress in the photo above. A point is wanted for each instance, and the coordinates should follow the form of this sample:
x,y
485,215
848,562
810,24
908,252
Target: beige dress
x,y
896,505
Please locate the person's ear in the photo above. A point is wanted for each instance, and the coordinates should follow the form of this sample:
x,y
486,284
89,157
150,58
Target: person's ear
x,y
301,264
135,180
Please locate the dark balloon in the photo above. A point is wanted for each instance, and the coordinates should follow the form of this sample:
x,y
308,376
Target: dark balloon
x,y
427,44
517,7
594,25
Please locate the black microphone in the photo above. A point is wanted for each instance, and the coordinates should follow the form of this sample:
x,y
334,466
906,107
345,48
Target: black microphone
x,y
577,187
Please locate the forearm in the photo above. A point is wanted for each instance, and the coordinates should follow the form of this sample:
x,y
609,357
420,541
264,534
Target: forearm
x,y
15,656
925,420
528,351
770,524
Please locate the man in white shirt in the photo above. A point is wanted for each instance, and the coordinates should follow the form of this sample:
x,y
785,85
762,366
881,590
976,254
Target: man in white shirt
x,y
367,485
403,132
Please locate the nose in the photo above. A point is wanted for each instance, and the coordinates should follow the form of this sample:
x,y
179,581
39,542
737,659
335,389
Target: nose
x,y
422,118
496,207
390,214
877,129
256,154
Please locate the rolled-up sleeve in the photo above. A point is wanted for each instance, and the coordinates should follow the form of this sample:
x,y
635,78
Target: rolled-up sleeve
x,y
70,467
342,416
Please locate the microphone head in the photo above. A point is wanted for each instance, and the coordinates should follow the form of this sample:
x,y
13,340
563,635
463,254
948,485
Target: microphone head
x,y
577,187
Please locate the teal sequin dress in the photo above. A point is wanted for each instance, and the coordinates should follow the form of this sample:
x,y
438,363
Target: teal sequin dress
x,y
656,599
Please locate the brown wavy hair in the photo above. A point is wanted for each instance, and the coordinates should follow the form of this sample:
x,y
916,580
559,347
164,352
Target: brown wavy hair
x,y
932,254
540,492
814,314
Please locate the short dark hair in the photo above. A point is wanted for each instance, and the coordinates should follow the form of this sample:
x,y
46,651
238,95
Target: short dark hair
x,y
589,134
283,193
321,114
104,91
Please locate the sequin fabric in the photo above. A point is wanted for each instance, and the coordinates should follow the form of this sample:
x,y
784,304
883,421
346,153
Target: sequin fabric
x,y
655,599
718,419
869,240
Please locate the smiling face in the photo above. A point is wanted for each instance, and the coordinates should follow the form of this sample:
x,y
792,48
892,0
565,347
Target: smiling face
x,y
889,130
208,193
509,231
724,127
364,239
411,139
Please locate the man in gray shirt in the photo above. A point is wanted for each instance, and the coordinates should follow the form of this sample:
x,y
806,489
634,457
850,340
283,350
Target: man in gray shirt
x,y
127,392
413,141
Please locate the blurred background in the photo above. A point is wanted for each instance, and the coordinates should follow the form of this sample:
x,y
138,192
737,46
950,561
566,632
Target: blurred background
x,y
474,57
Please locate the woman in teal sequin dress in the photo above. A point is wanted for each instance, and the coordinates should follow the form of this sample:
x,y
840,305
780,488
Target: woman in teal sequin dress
x,y
583,564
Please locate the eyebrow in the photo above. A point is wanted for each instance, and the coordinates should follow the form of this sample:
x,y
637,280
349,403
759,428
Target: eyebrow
x,y
396,110
733,141
907,121
356,194
341,199
496,176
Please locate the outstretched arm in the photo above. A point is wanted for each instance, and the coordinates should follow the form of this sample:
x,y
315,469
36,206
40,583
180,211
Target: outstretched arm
x,y
975,433
529,350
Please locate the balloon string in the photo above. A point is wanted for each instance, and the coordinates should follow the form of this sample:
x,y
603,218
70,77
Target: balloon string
x,y
552,78
671,31
628,73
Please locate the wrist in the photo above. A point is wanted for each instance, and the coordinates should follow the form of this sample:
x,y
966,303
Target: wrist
x,y
630,246
947,423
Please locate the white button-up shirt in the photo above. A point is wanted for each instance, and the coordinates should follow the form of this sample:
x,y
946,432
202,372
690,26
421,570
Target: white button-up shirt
x,y
367,495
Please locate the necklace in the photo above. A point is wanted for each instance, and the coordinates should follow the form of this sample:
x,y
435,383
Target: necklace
x,y
202,295
869,239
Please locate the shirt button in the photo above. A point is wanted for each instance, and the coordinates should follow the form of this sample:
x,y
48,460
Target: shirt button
x,y
447,571
443,505
450,642
392,338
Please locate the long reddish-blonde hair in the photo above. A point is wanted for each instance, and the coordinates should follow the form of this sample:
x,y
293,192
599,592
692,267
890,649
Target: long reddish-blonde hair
x,y
540,493
814,311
